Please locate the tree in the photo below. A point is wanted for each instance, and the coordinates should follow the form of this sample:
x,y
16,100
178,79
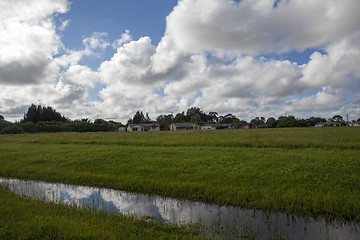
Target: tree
x,y
147,118
239,124
193,111
30,127
99,121
180,118
164,121
213,117
259,122
286,121
228,119
195,119
314,120
338,118
138,118
4,124
42,114
271,122
12,129
302,123
2,118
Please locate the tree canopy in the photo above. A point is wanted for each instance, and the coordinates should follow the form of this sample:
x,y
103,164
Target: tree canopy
x,y
140,118
46,119
42,114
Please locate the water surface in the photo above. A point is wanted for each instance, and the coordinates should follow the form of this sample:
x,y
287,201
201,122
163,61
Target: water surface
x,y
218,221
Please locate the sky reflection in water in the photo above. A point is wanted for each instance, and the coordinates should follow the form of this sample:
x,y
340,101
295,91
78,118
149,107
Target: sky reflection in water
x,y
229,221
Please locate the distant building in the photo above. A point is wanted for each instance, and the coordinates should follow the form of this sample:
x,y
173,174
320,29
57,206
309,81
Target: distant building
x,y
208,127
183,126
142,127
121,129
328,124
215,126
248,126
354,124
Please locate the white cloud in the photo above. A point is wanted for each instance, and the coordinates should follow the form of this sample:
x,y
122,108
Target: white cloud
x,y
125,38
63,25
74,84
209,57
352,108
326,100
28,40
95,42
227,28
255,26
340,66
131,63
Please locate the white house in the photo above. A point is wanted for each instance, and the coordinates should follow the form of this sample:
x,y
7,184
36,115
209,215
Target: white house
x,y
215,126
354,124
141,127
208,127
121,129
328,124
183,126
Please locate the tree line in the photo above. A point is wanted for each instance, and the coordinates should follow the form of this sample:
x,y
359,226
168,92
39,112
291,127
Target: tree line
x,y
195,115
46,119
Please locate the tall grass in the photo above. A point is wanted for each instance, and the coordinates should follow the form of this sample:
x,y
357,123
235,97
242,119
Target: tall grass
x,y
307,171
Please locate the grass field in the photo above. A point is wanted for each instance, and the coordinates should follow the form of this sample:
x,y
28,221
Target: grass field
x,y
309,171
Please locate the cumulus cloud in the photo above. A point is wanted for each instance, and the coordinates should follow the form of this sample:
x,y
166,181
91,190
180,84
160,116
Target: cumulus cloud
x,y
339,66
131,63
95,42
352,108
74,84
256,26
131,84
243,30
211,57
29,40
327,99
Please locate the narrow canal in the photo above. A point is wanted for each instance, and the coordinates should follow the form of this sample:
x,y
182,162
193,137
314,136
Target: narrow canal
x,y
217,221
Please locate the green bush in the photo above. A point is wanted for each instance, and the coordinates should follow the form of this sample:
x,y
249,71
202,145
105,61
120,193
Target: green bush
x,y
12,129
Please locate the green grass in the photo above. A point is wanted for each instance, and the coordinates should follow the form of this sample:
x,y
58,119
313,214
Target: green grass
x,y
29,219
309,171
342,138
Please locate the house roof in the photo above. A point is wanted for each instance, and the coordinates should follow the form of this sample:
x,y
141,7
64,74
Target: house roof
x,y
218,125
135,125
328,123
183,124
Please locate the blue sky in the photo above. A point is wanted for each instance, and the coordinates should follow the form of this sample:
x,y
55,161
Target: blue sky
x,y
110,58
143,18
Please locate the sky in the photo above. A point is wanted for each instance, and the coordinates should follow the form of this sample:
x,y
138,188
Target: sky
x,y
108,59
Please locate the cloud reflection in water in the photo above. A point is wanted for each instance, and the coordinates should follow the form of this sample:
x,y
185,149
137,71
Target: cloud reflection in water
x,y
231,220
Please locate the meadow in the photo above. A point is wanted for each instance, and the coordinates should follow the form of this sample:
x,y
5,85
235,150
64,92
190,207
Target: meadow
x,y
307,171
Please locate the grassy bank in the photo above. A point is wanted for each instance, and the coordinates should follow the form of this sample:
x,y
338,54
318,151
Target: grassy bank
x,y
30,219
308,171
